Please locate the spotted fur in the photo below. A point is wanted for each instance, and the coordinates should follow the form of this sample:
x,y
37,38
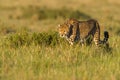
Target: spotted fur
x,y
78,31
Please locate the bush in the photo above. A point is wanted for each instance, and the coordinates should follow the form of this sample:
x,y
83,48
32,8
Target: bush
x,y
17,39
27,39
45,38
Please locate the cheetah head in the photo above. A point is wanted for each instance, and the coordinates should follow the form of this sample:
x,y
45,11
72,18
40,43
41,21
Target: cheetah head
x,y
64,30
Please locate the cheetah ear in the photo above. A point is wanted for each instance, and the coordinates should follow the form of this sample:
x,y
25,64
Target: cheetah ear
x,y
67,20
59,25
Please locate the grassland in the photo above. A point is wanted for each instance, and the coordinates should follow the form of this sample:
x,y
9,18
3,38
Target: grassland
x,y
30,48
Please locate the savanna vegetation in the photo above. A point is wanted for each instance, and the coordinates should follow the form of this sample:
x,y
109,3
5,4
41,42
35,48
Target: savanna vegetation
x,y
31,49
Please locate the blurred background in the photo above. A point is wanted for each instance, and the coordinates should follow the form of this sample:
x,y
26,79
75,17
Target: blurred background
x,y
44,15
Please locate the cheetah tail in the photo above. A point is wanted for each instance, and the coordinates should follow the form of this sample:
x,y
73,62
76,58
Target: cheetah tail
x,y
106,36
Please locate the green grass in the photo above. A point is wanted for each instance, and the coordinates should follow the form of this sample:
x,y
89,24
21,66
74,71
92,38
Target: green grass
x,y
47,56
31,49
41,62
28,38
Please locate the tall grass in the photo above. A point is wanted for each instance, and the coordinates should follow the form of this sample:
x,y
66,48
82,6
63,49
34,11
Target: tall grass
x,y
58,62
29,55
26,38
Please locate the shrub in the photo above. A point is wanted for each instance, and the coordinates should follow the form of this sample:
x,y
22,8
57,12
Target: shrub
x,y
18,39
40,39
45,38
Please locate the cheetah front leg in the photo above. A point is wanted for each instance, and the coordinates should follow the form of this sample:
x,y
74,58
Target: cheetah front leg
x,y
73,36
71,40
